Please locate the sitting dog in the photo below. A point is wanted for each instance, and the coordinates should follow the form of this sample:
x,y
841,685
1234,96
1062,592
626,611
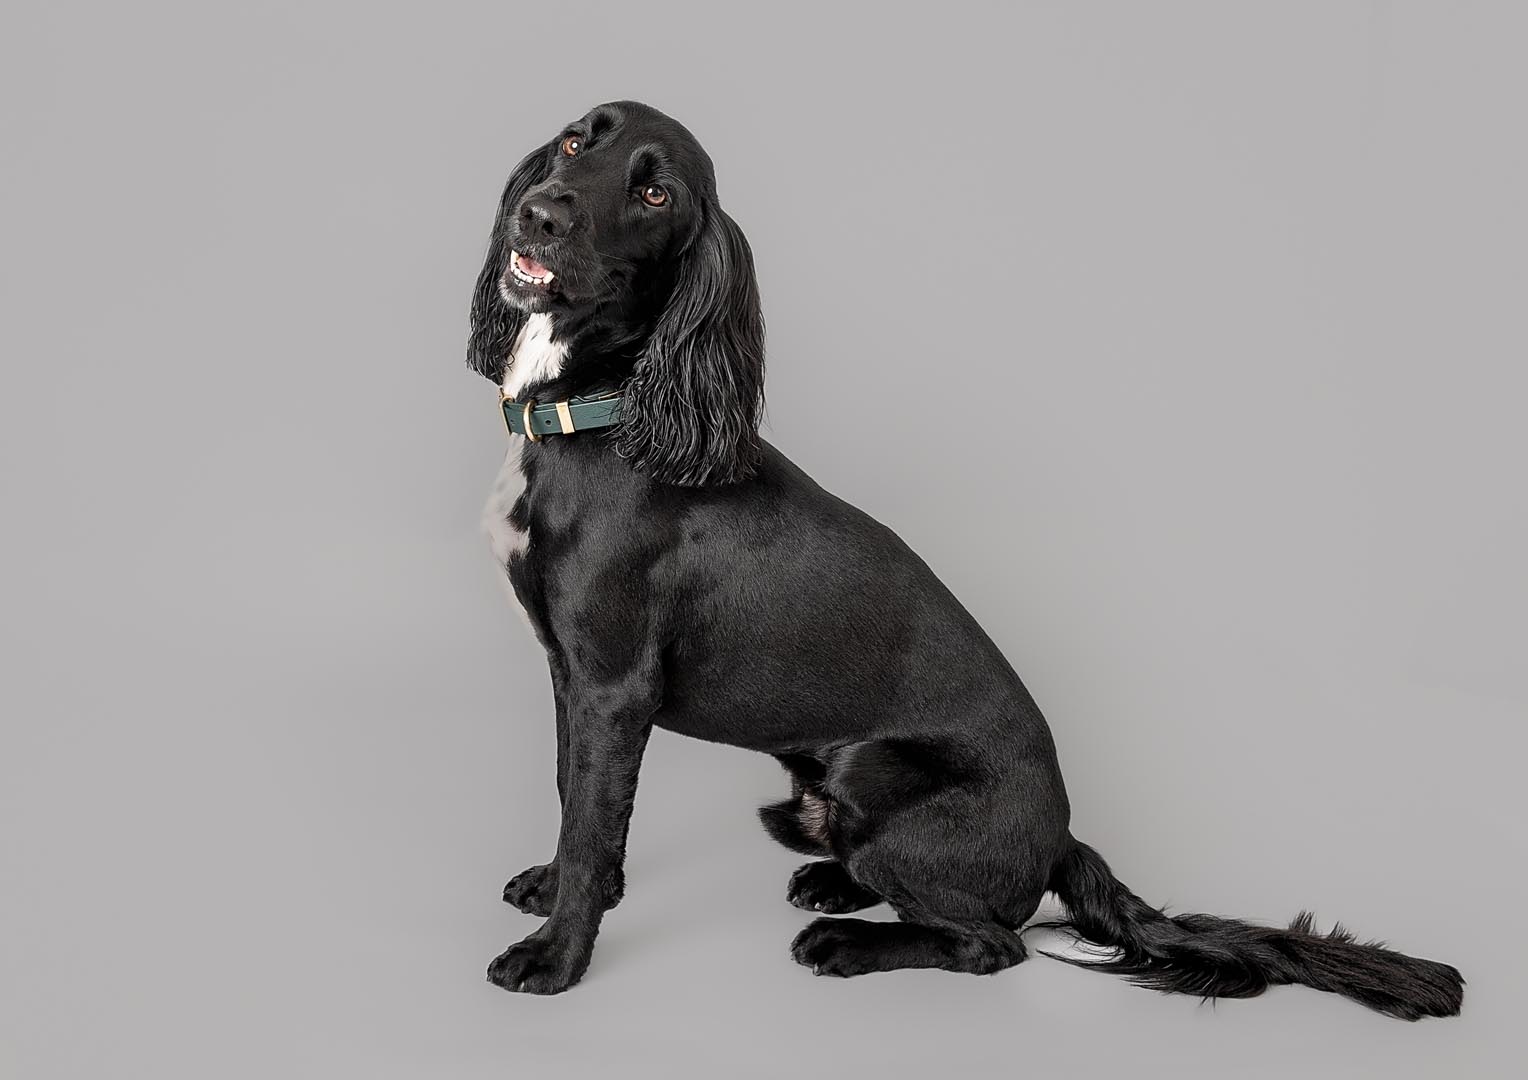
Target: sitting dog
x,y
680,571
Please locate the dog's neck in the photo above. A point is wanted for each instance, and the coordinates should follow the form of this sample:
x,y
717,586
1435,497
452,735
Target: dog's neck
x,y
560,356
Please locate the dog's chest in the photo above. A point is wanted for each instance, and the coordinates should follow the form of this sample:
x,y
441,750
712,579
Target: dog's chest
x,y
535,358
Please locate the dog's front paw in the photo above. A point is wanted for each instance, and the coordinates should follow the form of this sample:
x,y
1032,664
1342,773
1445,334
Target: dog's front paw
x,y
539,965
534,891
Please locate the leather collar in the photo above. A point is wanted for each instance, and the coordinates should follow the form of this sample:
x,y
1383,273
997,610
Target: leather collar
x,y
560,417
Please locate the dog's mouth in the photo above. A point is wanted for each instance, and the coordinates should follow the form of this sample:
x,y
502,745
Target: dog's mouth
x,y
527,272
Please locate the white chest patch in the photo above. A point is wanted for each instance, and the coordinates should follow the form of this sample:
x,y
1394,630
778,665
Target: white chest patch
x,y
534,358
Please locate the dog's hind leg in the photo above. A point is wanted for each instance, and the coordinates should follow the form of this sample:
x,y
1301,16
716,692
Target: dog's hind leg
x,y
946,921
922,825
801,824
954,915
855,946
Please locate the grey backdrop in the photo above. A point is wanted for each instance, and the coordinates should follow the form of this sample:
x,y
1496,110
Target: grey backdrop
x,y
1237,294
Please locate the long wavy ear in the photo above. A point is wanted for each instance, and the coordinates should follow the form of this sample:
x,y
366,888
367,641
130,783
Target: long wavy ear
x,y
495,324
690,410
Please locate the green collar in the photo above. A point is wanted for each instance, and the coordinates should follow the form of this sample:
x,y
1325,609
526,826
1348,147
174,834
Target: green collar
x,y
560,417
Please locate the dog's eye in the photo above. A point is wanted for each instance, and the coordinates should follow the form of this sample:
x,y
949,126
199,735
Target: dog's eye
x,y
571,146
653,195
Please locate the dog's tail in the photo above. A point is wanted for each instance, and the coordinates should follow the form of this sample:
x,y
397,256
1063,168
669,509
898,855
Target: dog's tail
x,y
1213,957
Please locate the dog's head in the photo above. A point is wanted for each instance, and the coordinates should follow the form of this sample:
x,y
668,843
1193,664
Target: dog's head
x,y
613,228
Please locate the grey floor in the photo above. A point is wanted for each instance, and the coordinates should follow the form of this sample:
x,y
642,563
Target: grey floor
x,y
295,872
1231,299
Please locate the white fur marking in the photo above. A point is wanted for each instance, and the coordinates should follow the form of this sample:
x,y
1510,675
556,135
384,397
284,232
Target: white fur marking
x,y
535,358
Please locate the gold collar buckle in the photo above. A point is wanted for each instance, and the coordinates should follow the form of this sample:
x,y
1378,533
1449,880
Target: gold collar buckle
x,y
525,415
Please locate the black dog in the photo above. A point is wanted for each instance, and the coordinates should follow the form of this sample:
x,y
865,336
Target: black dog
x,y
680,571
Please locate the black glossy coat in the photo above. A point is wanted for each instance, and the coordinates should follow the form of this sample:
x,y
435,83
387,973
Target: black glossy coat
x,y
682,573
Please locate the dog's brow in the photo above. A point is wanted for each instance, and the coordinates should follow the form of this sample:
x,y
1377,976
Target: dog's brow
x,y
601,122
647,162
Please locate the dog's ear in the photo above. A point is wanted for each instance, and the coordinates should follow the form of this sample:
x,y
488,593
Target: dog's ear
x,y
690,410
495,324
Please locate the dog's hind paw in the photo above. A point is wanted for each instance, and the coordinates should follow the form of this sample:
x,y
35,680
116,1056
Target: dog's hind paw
x,y
836,947
827,887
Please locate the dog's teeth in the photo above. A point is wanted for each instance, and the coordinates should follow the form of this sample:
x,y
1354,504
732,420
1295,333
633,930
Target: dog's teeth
x,y
524,278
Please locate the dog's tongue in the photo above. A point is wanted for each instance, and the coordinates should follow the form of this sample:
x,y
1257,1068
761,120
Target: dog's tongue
x,y
531,266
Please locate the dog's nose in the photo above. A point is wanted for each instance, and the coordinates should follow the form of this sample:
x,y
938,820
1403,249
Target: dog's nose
x,y
543,217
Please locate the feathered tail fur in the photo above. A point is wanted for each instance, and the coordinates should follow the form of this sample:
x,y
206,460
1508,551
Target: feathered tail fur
x,y
1214,957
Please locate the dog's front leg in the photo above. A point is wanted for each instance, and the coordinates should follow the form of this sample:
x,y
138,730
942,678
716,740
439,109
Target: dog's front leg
x,y
534,890
604,753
